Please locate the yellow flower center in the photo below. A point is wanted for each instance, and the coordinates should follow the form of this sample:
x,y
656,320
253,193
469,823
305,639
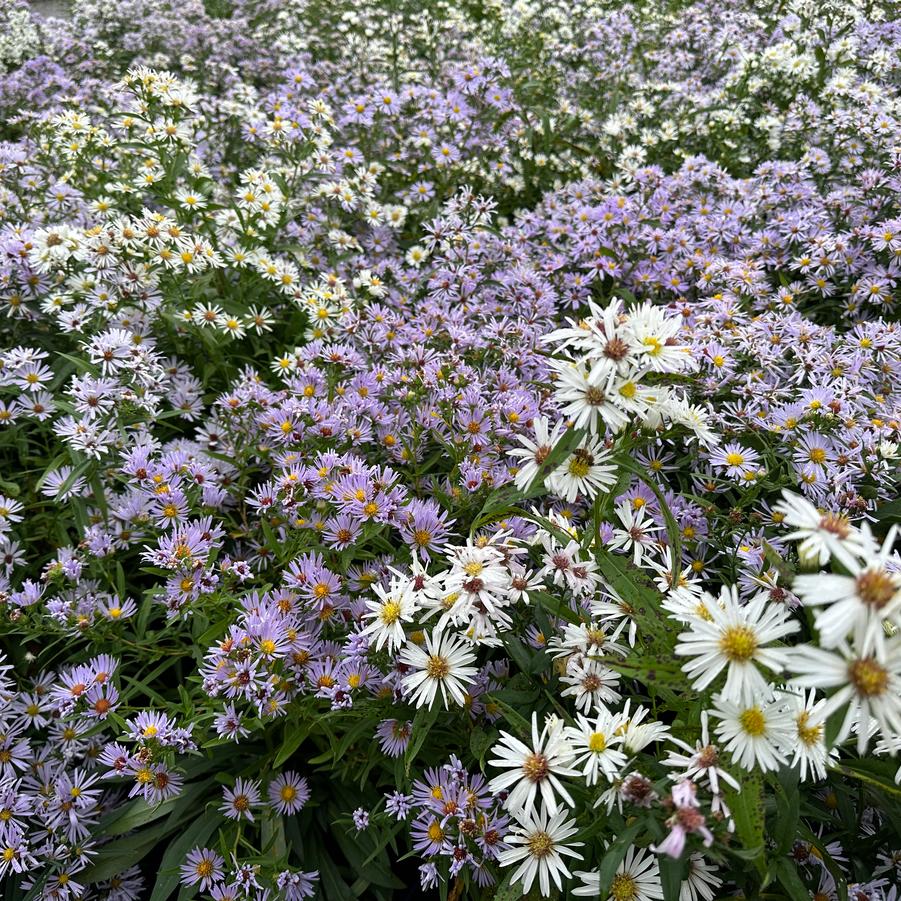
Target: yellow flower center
x,y
876,587
869,678
437,667
753,722
624,888
810,735
390,613
738,643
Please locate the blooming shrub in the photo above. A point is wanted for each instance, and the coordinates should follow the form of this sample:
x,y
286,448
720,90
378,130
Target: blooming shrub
x,y
450,450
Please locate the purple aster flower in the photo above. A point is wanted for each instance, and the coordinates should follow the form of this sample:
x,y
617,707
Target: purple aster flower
x,y
202,866
237,802
394,736
398,805
288,792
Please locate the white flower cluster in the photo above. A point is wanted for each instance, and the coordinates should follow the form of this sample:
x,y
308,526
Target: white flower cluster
x,y
854,667
614,378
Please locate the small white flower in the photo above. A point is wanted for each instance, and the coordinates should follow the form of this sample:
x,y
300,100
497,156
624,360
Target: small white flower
x,y
395,606
822,535
534,453
533,770
637,533
538,845
595,744
869,684
637,878
444,663
585,472
735,637
858,604
754,733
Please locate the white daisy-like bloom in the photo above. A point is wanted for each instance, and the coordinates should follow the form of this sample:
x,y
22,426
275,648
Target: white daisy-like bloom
x,y
735,638
591,684
595,744
701,761
568,567
477,576
616,609
443,664
821,535
395,606
859,604
589,403
686,605
637,878
655,332
701,882
754,733
868,683
534,770
807,743
585,472
534,453
538,844
637,533
670,570
586,640
604,337
696,418
638,734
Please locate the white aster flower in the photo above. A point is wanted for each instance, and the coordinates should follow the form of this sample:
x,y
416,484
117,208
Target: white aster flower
x,y
859,604
591,684
535,769
395,606
735,637
538,845
701,761
638,734
701,882
754,733
444,663
655,332
585,472
595,745
869,684
637,878
807,743
534,453
589,403
822,535
636,534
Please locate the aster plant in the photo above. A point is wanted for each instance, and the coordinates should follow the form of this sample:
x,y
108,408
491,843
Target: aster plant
x,y
450,450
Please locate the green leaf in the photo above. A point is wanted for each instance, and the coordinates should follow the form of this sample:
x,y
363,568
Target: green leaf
x,y
480,742
119,855
425,718
294,738
136,814
671,872
747,812
788,809
786,871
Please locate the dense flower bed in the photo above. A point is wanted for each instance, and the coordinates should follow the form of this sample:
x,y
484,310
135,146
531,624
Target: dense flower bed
x,y
450,450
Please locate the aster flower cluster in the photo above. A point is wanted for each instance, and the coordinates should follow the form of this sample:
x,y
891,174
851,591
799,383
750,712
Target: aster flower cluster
x,y
450,451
